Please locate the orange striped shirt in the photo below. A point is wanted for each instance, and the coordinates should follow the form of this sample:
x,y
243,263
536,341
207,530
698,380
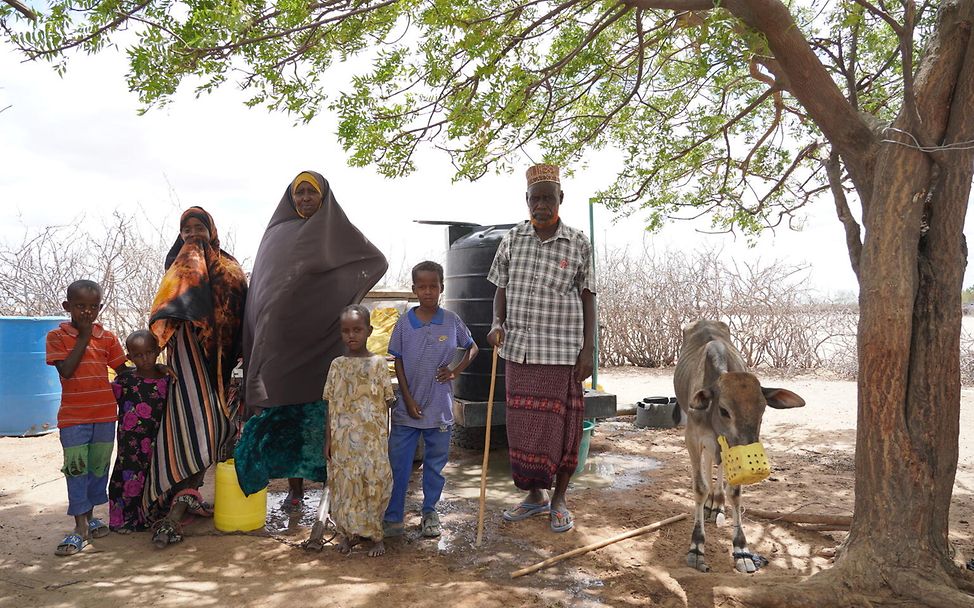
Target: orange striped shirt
x,y
86,396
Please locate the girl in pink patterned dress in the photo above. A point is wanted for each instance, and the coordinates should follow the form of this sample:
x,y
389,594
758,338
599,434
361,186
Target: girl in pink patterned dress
x,y
141,396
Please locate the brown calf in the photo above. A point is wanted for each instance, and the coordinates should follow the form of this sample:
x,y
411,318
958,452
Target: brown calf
x,y
720,397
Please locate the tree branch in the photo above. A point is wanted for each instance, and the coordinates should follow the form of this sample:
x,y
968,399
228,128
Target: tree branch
x,y
22,8
814,88
853,239
807,79
875,10
605,20
675,5
122,18
804,153
322,20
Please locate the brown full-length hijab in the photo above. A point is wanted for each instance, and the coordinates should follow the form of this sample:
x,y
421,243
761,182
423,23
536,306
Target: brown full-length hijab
x,y
306,272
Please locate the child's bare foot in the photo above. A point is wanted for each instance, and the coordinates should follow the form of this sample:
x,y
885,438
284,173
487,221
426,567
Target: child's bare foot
x,y
346,544
378,548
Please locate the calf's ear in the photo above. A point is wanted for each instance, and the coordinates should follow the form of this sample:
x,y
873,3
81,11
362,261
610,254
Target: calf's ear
x,y
701,399
782,399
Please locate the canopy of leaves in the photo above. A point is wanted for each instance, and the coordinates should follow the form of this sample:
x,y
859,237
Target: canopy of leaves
x,y
688,98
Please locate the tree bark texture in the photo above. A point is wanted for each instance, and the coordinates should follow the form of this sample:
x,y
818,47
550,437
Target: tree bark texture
x,y
913,263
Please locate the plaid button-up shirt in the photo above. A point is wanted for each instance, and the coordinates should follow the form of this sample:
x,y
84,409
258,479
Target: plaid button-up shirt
x,y
544,282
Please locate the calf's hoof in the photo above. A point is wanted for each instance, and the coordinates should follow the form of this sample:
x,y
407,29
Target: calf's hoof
x,y
695,560
747,562
710,514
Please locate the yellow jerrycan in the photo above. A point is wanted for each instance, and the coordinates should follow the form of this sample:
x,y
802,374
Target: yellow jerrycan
x,y
232,511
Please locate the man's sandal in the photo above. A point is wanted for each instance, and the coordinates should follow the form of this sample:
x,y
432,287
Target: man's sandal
x,y
524,511
97,528
392,529
72,543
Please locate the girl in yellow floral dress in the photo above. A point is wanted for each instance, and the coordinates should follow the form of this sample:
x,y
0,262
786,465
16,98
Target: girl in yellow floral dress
x,y
359,394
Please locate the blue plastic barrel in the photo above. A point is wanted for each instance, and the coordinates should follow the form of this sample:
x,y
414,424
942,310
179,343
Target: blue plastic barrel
x,y
30,392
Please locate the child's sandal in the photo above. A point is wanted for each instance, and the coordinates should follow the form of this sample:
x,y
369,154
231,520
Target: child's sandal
x,y
97,528
72,543
430,525
195,504
166,532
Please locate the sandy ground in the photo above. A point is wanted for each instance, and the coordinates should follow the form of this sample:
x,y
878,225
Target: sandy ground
x,y
633,477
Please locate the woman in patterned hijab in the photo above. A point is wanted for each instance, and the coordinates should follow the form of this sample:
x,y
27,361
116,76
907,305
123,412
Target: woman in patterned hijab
x,y
198,316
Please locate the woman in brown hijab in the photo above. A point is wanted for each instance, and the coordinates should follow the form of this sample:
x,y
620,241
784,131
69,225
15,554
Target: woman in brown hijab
x,y
198,316
312,263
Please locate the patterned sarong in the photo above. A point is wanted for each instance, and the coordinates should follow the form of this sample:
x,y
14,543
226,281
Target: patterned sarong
x,y
286,441
545,408
194,426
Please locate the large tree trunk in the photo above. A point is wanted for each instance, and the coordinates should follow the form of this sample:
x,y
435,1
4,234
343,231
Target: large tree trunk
x,y
913,262
912,267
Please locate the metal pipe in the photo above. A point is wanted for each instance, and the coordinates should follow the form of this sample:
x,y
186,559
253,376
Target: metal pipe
x,y
591,233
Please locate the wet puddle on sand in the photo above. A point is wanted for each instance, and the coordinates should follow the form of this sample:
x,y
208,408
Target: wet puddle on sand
x,y
288,524
603,470
458,510
462,492
458,515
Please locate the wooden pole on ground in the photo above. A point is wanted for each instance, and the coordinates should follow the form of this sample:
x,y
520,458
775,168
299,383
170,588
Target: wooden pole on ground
x,y
598,545
483,468
824,528
802,518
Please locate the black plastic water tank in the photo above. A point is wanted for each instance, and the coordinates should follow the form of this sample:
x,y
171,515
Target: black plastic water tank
x,y
469,294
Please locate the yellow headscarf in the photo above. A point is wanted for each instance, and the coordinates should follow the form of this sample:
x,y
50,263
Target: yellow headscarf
x,y
304,176
308,178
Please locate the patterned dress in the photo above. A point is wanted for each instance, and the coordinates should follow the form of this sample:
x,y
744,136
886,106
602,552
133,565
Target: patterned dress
x,y
360,477
141,402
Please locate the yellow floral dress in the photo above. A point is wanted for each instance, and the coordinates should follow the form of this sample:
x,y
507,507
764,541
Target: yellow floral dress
x,y
359,474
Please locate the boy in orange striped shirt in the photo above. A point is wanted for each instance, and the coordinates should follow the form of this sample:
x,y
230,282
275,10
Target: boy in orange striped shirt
x,y
82,351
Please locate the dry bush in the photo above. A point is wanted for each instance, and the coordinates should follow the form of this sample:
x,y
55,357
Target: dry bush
x,y
775,320
966,355
125,257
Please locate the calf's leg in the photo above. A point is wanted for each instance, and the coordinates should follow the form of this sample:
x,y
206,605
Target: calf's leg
x,y
715,499
743,560
700,464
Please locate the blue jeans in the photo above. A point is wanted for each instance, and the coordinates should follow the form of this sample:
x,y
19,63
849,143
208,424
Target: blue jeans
x,y
402,448
87,456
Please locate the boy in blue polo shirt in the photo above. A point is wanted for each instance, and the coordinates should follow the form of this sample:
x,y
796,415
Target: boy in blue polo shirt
x,y
424,342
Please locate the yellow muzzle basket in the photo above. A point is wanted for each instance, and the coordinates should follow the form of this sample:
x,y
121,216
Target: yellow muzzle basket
x,y
744,464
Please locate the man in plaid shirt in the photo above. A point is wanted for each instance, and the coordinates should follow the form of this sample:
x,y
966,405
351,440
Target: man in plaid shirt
x,y
544,322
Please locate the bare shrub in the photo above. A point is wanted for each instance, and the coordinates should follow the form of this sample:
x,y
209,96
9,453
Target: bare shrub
x,y
966,355
775,320
126,257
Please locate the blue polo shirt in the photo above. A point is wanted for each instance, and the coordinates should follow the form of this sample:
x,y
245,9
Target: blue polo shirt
x,y
424,348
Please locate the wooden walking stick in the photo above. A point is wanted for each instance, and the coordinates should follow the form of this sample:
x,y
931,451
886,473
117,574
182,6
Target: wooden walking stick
x,y
483,469
598,545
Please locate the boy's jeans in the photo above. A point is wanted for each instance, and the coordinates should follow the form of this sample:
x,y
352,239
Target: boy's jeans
x,y
402,448
87,456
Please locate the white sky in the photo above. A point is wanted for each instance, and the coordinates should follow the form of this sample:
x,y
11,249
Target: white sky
x,y
76,146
